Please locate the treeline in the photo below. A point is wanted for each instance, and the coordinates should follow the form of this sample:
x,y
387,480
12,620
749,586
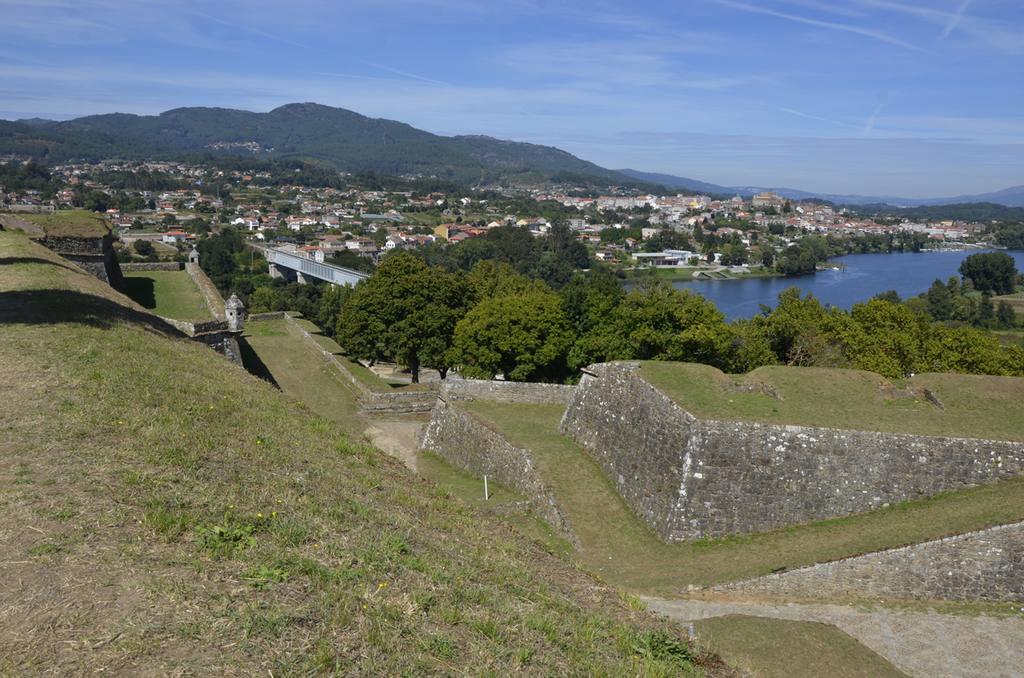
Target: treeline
x,y
553,258
968,211
31,176
494,321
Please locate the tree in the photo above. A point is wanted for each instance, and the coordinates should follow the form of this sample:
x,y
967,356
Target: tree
x,y
939,301
1005,315
143,248
657,322
406,311
992,272
525,337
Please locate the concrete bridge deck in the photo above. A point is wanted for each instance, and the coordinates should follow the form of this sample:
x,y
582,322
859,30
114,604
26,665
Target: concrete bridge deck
x,y
284,264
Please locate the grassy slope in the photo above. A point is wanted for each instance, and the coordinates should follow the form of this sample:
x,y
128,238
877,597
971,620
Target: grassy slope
x,y
777,648
365,376
171,294
69,223
167,512
974,406
625,552
302,373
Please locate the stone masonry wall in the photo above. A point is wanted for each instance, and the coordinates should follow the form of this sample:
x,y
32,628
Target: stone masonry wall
x,y
454,388
214,300
468,443
154,266
985,565
690,478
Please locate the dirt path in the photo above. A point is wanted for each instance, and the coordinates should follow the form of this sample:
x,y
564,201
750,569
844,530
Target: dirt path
x,y
397,437
919,643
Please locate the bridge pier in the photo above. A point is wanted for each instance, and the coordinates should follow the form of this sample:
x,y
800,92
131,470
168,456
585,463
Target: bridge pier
x,y
275,272
301,278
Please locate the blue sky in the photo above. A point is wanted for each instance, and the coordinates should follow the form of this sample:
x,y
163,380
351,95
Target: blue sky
x,y
890,97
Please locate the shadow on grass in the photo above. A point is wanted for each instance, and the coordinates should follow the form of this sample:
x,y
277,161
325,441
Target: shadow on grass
x,y
141,290
253,364
52,307
34,260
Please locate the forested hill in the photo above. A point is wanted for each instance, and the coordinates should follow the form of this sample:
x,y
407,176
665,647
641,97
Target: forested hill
x,y
342,138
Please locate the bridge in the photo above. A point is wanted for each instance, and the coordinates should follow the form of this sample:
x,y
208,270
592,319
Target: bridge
x,y
284,264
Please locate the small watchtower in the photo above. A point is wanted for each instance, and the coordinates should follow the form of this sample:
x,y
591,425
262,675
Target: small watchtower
x,y
193,256
234,310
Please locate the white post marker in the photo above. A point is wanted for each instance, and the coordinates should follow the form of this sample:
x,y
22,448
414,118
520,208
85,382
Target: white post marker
x,y
487,494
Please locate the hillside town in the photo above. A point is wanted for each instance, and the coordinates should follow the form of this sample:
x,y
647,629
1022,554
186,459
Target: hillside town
x,y
623,228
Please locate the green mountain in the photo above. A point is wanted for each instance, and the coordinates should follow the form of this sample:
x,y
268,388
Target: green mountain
x,y
342,138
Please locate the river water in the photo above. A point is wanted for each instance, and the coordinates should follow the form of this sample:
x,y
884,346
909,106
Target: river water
x,y
860,277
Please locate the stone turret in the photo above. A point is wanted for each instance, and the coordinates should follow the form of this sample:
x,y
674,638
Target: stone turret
x,y
234,309
193,256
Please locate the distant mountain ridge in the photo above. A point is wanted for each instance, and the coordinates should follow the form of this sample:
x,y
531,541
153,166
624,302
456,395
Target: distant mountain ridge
x,y
342,138
356,143
1009,197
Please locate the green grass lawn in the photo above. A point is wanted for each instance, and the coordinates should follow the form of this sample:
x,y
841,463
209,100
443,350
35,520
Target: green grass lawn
x,y
301,372
363,375
616,545
779,648
167,513
171,294
974,406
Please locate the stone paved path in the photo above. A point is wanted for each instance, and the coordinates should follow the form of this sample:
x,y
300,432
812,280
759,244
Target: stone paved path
x,y
925,644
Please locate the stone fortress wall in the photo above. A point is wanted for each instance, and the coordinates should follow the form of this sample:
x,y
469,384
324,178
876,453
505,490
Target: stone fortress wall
x,y
689,478
983,565
466,442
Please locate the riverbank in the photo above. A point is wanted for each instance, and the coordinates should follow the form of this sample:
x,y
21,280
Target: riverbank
x,y
841,282
699,273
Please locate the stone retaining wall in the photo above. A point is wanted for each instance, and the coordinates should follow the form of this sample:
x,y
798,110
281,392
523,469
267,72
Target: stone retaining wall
x,y
214,301
505,391
985,565
93,254
154,266
468,443
689,478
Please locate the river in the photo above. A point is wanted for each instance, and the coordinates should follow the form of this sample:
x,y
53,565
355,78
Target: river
x,y
860,277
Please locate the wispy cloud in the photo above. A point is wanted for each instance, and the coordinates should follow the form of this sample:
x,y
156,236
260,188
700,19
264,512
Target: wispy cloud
x,y
869,126
809,116
955,20
1003,35
819,23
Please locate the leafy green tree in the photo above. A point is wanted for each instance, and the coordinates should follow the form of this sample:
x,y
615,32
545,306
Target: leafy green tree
x,y
143,248
263,299
406,311
939,301
992,272
1006,317
525,337
792,316
657,322
489,279
329,307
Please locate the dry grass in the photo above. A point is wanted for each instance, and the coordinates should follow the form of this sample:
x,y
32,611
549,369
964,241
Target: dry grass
x,y
69,223
167,513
